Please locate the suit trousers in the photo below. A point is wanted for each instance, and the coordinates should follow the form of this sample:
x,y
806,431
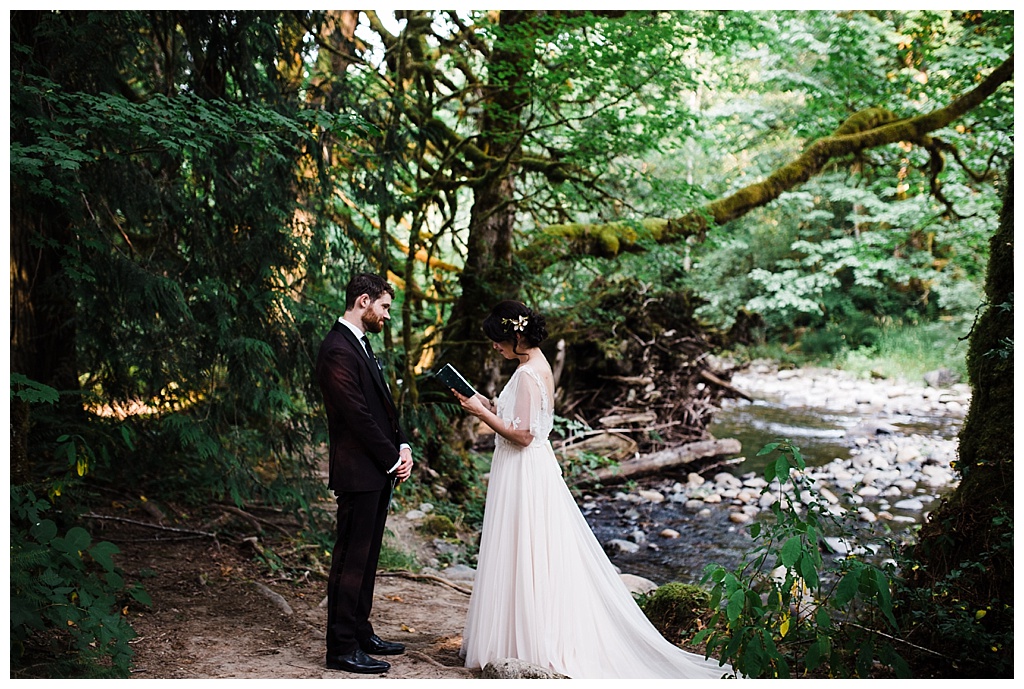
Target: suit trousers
x,y
361,518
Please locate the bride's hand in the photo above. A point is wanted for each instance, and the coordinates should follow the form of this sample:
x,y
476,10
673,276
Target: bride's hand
x,y
474,405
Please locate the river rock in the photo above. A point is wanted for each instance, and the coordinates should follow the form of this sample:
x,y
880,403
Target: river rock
x,y
651,496
513,668
908,454
637,584
941,378
669,533
838,545
954,408
444,547
727,480
909,504
739,517
619,545
459,573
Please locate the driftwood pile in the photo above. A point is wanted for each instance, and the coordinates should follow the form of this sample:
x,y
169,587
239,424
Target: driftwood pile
x,y
644,393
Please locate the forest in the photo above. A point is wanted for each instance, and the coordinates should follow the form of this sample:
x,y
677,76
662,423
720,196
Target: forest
x,y
191,191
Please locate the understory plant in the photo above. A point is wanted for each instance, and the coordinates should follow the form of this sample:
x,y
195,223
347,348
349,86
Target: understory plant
x,y
786,612
69,601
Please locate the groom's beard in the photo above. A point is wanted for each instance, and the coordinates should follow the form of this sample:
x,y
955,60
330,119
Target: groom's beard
x,y
372,325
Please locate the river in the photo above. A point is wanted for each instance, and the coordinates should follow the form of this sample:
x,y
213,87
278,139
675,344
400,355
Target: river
x,y
839,423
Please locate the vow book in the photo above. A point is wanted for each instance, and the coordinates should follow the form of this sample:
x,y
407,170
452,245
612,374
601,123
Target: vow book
x,y
453,379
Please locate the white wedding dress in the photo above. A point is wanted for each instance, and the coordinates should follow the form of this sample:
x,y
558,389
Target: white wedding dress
x,y
545,592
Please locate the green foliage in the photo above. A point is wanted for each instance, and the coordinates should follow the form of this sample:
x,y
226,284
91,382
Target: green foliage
x,y
909,351
68,599
32,391
832,272
393,558
185,239
965,625
801,616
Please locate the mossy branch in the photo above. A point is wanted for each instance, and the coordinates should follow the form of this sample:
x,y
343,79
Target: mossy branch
x,y
864,130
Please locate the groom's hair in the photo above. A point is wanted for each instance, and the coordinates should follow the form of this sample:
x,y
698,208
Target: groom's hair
x,y
374,286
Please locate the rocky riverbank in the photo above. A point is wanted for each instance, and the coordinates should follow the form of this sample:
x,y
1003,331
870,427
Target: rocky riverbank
x,y
900,440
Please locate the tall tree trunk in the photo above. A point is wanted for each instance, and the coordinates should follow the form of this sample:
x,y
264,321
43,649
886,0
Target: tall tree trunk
x,y
42,319
42,314
972,530
488,276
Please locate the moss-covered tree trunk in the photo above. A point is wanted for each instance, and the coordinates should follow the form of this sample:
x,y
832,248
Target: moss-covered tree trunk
x,y
487,275
965,550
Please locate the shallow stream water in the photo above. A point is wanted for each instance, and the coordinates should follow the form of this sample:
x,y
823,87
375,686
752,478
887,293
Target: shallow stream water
x,y
821,435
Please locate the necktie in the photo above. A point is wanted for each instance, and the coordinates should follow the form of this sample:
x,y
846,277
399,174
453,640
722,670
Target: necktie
x,y
373,359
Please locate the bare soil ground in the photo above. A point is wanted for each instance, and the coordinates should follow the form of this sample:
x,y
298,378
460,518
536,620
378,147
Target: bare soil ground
x,y
215,615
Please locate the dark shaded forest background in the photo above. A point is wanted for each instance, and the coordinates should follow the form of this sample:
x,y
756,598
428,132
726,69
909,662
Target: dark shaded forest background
x,y
190,191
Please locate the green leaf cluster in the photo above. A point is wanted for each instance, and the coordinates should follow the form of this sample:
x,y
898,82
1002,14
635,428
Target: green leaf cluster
x,y
69,601
785,612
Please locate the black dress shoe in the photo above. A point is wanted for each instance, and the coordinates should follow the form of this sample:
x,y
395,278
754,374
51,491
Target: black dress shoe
x,y
380,647
357,661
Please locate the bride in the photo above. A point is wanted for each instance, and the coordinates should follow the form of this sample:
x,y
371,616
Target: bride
x,y
545,592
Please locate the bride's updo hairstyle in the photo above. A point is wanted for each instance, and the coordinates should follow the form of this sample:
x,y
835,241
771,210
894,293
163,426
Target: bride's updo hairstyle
x,y
510,320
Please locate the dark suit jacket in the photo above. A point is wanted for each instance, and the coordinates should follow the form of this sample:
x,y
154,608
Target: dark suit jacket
x,y
361,416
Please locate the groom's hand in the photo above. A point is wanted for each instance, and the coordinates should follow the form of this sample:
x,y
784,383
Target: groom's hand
x,y
404,469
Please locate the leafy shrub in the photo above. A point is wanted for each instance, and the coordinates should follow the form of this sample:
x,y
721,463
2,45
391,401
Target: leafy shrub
x,y
68,599
960,626
800,617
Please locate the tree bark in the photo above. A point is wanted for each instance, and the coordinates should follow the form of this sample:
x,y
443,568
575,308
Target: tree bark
x,y
488,276
42,315
972,530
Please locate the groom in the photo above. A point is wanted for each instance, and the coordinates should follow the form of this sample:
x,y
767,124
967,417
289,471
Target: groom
x,y
368,456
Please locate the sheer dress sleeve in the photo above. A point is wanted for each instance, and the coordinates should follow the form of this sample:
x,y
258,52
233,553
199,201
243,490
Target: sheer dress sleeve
x,y
524,404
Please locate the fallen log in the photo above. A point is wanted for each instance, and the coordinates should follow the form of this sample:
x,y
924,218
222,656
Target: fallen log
x,y
647,418
610,444
656,461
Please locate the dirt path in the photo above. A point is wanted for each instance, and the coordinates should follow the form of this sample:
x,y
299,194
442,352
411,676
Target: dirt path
x,y
215,615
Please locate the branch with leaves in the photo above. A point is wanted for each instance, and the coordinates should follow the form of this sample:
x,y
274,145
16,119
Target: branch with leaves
x,y
868,129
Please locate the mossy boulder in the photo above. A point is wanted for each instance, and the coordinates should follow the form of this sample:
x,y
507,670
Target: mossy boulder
x,y
678,610
438,525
